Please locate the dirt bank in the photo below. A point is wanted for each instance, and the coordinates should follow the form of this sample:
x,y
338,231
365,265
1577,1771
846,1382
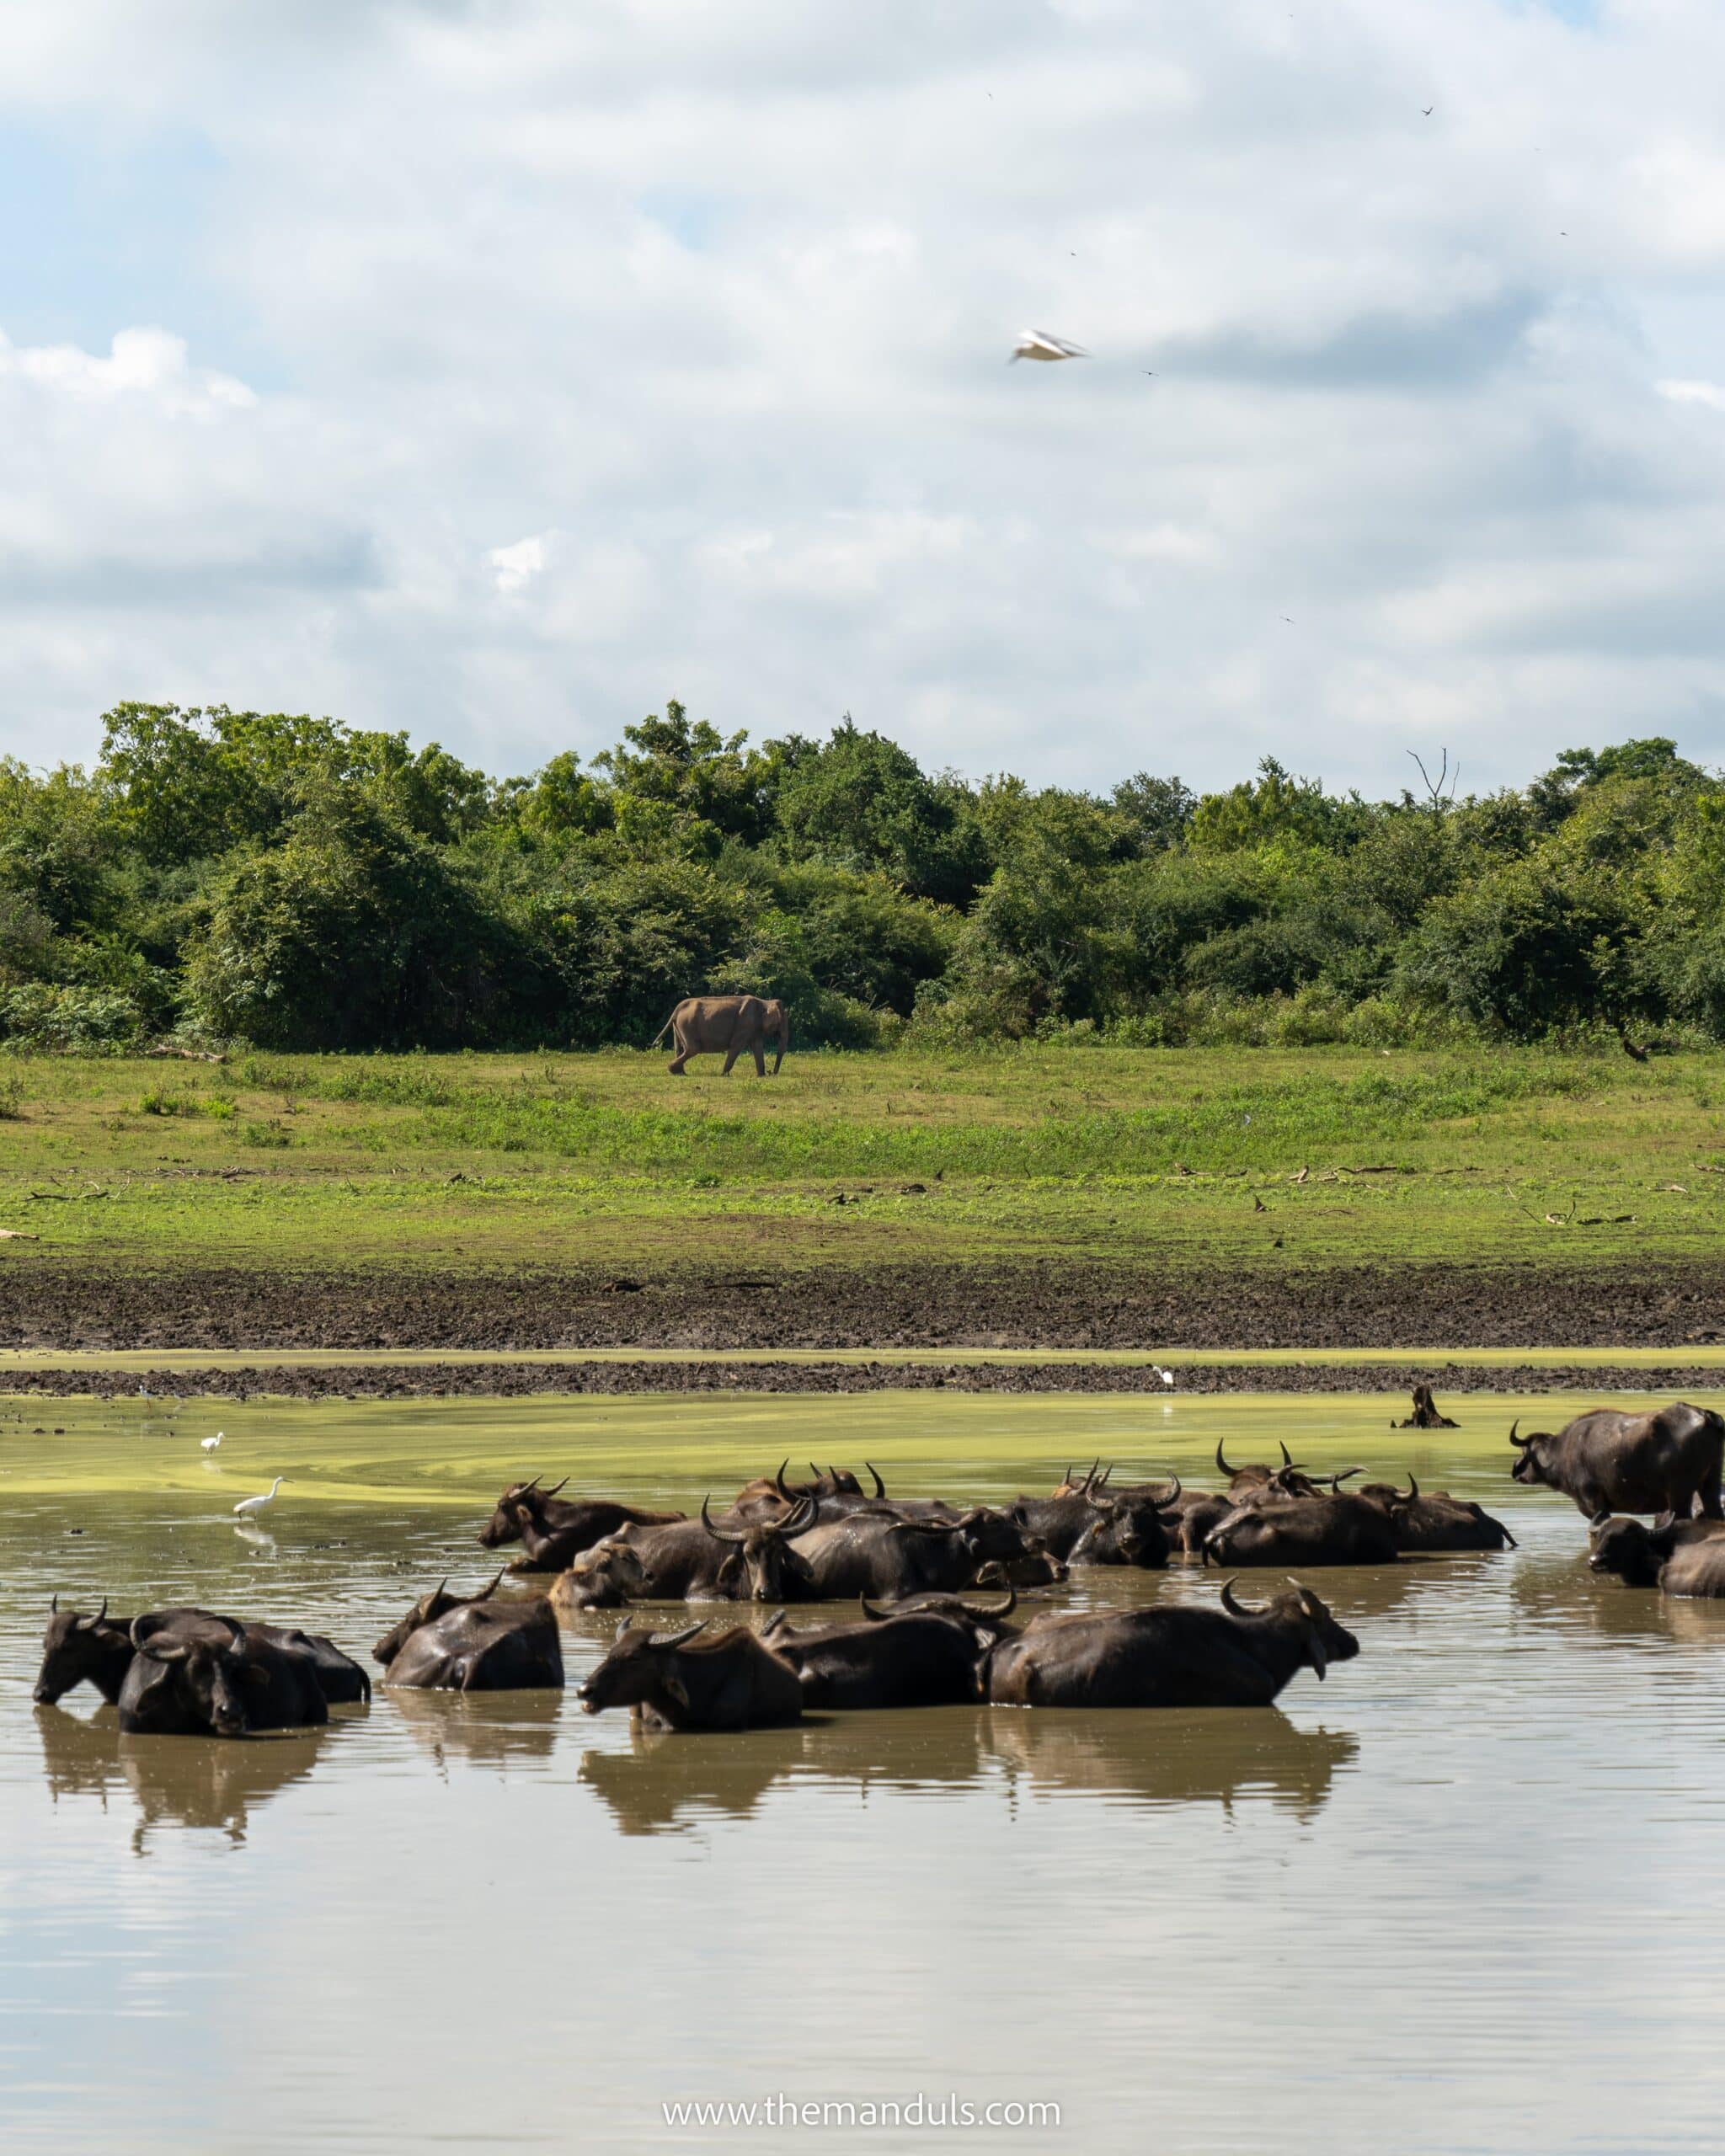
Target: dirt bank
x,y
374,1381
1040,1306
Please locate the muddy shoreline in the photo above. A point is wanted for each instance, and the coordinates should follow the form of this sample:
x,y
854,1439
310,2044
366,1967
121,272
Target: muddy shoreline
x,y
1045,1304
508,1380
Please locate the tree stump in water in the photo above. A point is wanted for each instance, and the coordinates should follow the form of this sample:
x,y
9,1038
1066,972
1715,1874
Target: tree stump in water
x,y
1425,1415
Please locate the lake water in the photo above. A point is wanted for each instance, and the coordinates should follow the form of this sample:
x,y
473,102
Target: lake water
x,y
1465,1896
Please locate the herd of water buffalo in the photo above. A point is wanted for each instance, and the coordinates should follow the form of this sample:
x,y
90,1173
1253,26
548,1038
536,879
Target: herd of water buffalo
x,y
912,1562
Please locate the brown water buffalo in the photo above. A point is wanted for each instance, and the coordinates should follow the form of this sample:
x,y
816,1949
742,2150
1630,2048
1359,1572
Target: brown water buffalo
x,y
1608,1460
205,1678
553,1532
341,1679
731,1025
1637,1555
426,1611
1696,1569
1169,1654
880,1555
764,1567
915,1658
1336,1530
482,1647
1434,1520
731,1681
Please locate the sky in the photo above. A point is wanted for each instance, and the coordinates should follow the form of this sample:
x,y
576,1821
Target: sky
x,y
498,369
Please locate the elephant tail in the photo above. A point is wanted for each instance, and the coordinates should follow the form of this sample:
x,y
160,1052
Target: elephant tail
x,y
664,1029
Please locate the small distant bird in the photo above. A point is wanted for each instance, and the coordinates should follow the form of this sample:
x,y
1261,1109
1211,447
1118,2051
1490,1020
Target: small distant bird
x,y
211,1443
1038,344
1427,109
1167,1376
248,1507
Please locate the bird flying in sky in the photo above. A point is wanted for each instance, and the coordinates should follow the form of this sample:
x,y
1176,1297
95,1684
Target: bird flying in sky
x,y
1038,344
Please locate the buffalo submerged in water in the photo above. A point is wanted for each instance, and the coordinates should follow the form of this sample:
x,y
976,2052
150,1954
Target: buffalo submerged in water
x,y
1169,1654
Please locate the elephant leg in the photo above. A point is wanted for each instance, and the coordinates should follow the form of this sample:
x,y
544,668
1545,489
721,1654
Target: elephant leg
x,y
760,1062
730,1056
683,1053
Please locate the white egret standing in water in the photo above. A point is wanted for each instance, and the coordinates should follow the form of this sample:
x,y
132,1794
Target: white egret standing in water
x,y
248,1508
211,1443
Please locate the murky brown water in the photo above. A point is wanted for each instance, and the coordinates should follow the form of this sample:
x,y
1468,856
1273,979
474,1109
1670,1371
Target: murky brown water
x,y
1465,1896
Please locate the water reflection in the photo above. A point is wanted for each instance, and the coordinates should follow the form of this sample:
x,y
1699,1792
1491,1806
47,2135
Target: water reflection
x,y
487,1729
1205,1756
176,1781
661,1783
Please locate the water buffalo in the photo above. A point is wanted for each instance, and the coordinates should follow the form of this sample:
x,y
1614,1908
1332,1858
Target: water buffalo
x,y
214,1678
1170,1655
876,1554
1335,1530
732,1682
554,1533
1637,1555
692,1560
1607,1460
1436,1521
1696,1569
76,1647
1092,1526
426,1611
914,1658
482,1647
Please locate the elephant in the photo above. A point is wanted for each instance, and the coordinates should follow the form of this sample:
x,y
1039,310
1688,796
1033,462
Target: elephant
x,y
705,1024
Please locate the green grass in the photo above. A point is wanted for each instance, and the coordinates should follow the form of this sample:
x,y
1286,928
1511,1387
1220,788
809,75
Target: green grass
x,y
1151,1157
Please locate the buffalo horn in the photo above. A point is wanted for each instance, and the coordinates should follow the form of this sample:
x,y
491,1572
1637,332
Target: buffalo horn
x,y
1514,1439
779,1481
1234,1607
1287,1457
806,1513
490,1587
718,1535
678,1639
1161,1504
1220,1462
555,1487
879,1487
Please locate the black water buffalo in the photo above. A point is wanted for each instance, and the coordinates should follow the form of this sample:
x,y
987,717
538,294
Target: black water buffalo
x,y
553,1531
732,1682
204,1677
692,1560
1607,1460
1093,1526
426,1611
482,1647
1434,1520
924,1654
1335,1530
880,1555
78,1648
1637,1555
1170,1655
100,1648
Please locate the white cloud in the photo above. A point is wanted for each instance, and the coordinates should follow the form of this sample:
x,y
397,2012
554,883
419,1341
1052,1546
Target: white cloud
x,y
514,567
717,317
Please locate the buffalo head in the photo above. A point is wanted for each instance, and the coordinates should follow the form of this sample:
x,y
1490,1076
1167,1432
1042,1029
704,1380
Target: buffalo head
x,y
521,1503
72,1650
216,1677
764,1564
638,1666
1321,1640
1531,1464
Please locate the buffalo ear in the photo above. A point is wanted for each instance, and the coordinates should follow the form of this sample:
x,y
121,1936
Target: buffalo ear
x,y
674,1685
1320,1660
256,1678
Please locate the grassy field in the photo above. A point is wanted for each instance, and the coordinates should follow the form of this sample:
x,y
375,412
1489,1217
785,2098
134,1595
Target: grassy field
x,y
1183,1158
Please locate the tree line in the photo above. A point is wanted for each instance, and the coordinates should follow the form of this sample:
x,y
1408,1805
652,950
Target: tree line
x,y
305,885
